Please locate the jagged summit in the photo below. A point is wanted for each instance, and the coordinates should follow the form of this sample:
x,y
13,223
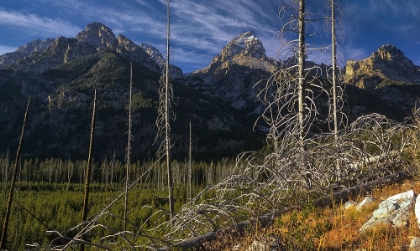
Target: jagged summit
x,y
152,51
34,46
388,52
249,45
388,62
246,44
244,50
26,50
99,36
233,73
388,73
157,56
94,38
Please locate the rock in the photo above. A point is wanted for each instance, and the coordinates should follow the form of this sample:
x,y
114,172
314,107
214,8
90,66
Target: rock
x,y
258,246
395,210
265,244
157,57
349,204
417,210
403,199
134,52
99,36
26,50
415,244
387,73
233,73
386,63
365,202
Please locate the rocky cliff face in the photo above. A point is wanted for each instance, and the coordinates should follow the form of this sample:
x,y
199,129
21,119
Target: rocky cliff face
x,y
155,54
96,37
59,75
24,51
99,36
233,73
135,52
388,73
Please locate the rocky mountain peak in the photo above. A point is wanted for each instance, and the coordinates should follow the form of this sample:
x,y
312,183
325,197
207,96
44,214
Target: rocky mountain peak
x,y
153,52
157,57
388,73
388,62
99,36
127,44
37,45
246,44
388,52
233,73
244,50
26,50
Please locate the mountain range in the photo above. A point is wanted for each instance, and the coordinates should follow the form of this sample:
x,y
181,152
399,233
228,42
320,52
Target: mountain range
x,y
220,101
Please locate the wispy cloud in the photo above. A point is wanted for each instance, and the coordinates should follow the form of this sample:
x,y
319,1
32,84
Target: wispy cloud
x,y
119,16
32,23
355,53
395,8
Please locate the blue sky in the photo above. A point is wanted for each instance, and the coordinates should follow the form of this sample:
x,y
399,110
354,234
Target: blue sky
x,y
201,28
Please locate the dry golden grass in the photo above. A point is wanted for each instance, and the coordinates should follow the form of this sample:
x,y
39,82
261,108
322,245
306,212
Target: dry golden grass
x,y
331,228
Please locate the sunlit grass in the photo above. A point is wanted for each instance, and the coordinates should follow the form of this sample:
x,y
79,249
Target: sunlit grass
x,y
331,228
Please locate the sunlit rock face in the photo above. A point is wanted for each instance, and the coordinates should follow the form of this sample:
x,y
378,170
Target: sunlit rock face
x,y
388,62
388,73
99,36
394,211
233,73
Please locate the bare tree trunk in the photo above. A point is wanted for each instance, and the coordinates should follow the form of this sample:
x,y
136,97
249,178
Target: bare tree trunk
x,y
127,176
334,69
190,165
12,185
302,89
88,167
167,114
112,170
301,71
5,174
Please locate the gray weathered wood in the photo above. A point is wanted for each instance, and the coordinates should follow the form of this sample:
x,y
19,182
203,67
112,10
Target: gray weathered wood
x,y
345,195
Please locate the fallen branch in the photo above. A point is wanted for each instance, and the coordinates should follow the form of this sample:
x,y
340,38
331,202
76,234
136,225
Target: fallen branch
x,y
197,241
337,197
345,195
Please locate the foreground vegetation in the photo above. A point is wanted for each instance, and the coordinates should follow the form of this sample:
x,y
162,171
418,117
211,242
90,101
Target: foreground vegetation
x,y
331,228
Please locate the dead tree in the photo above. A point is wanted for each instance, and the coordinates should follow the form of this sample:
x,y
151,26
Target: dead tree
x,y
88,169
167,114
128,157
12,185
164,116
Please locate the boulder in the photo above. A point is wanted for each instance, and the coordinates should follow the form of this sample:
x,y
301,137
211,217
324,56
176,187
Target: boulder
x,y
394,211
415,244
365,202
349,204
417,210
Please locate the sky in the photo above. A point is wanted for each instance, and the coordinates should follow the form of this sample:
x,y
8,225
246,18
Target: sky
x,y
201,28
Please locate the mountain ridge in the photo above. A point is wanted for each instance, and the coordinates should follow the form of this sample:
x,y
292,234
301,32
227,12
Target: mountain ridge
x,y
387,73
233,73
60,80
95,37
220,100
